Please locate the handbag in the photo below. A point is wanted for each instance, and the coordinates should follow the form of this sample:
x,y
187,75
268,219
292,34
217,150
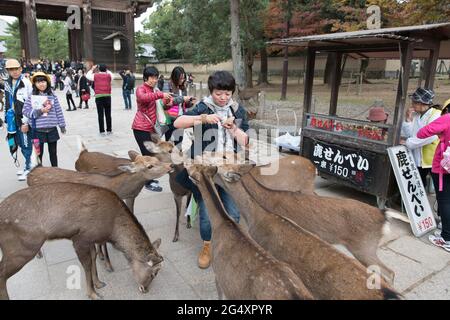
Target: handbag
x,y
85,97
159,129
161,114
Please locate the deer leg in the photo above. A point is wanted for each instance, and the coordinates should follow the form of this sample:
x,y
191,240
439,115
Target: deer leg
x,y
39,254
98,248
367,255
12,262
97,283
130,204
178,200
219,291
188,218
83,251
108,264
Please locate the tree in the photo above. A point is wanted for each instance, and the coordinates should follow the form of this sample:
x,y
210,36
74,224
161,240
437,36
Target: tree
x,y
236,48
53,40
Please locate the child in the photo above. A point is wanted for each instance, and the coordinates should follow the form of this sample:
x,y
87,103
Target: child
x,y
145,118
17,90
219,136
46,118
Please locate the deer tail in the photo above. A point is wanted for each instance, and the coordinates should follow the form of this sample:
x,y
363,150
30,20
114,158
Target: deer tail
x,y
393,214
81,146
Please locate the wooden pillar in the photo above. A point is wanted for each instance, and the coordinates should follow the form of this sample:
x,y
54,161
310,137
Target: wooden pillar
x,y
431,66
402,90
309,79
129,20
75,47
24,39
88,43
30,28
335,81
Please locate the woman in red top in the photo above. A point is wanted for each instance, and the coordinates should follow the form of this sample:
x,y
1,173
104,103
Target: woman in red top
x,y
145,118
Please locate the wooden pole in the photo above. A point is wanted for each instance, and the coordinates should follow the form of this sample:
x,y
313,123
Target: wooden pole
x,y
30,26
88,43
335,82
431,70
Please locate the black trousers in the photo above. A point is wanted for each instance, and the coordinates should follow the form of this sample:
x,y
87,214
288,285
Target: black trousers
x,y
443,199
141,137
104,111
52,149
423,175
69,99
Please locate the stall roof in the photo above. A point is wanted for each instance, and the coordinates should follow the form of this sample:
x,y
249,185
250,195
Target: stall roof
x,y
386,39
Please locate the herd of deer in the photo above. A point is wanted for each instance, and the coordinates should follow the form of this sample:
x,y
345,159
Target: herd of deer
x,y
285,251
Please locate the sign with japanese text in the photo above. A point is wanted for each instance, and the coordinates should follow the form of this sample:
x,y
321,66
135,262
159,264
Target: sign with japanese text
x,y
348,164
367,131
412,190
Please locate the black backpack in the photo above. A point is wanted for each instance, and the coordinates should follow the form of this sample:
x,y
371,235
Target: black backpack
x,y
131,82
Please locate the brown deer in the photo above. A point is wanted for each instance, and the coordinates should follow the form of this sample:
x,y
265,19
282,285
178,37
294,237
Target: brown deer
x,y
97,162
326,272
82,213
243,269
352,223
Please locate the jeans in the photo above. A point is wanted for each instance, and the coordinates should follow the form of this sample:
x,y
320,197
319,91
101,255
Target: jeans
x,y
127,98
205,224
26,146
443,198
104,111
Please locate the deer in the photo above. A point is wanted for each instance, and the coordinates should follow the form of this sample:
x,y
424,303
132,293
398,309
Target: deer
x,y
127,184
97,162
326,272
354,224
243,269
82,213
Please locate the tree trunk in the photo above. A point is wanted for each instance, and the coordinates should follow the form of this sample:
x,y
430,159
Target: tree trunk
x,y
263,74
328,69
249,68
285,63
236,47
363,70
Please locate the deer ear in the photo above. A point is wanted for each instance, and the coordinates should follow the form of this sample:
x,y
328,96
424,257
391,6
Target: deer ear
x,y
133,154
156,243
131,168
152,147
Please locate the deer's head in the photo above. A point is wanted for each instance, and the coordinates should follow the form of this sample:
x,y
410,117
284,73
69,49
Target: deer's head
x,y
149,167
145,271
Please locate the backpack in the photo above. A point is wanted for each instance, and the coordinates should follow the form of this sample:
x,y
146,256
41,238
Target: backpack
x,y
131,82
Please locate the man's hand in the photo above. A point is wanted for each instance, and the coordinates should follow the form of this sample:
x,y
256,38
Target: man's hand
x,y
229,123
409,115
63,130
167,96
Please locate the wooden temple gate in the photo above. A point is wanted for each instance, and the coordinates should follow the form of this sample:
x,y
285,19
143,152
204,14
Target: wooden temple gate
x,y
99,19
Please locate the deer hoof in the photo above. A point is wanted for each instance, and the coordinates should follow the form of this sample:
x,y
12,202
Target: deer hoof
x,y
39,254
188,225
109,268
100,285
175,239
95,296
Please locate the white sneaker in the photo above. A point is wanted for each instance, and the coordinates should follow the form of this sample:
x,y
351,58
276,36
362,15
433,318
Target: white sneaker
x,y
440,242
23,177
19,173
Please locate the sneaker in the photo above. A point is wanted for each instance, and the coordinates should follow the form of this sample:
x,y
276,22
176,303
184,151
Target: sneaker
x,y
102,134
109,133
204,258
23,177
19,173
153,186
440,242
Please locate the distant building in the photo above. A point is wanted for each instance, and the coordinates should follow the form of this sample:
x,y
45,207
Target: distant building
x,y
149,52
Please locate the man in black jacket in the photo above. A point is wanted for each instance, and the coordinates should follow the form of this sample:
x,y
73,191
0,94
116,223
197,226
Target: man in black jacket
x,y
127,87
83,88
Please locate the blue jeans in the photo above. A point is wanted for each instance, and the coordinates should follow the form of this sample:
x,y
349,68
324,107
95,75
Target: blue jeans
x,y
26,145
127,98
443,199
205,224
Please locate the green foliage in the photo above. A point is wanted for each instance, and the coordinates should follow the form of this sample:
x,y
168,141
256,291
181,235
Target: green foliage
x,y
53,40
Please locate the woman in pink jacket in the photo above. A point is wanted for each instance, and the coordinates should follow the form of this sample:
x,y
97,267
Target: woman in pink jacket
x,y
441,178
145,118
